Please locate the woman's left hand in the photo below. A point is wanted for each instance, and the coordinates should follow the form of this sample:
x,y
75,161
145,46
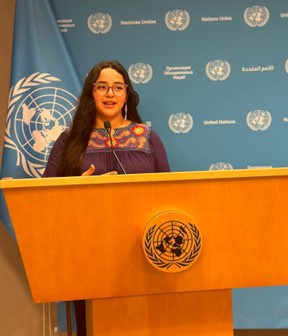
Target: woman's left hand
x,y
113,172
90,171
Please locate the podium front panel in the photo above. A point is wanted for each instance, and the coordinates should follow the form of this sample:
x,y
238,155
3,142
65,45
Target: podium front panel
x,y
82,238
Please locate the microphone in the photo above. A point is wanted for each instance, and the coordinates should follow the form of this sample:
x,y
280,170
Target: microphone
x,y
107,126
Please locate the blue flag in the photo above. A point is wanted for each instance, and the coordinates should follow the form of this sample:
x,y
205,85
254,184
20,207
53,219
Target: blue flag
x,y
43,93
42,98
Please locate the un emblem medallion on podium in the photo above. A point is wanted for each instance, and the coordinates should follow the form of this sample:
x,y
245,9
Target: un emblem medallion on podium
x,y
171,242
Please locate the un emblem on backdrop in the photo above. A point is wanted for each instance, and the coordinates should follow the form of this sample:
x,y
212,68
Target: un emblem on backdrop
x,y
177,19
37,114
140,73
259,120
256,16
180,122
218,70
286,65
221,166
99,23
171,242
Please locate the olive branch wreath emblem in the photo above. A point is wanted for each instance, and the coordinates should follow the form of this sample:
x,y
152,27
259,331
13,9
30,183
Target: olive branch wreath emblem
x,y
177,13
190,258
15,94
215,77
262,10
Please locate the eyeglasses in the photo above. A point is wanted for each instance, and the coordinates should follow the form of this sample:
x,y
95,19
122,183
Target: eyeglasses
x,y
102,89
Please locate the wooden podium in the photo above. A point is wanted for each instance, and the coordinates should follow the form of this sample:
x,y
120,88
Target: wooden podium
x,y
81,238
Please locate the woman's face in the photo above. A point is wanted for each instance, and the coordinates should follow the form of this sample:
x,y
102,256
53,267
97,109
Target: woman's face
x,y
110,94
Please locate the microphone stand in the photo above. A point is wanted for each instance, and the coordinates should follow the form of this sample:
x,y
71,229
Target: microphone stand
x,y
107,126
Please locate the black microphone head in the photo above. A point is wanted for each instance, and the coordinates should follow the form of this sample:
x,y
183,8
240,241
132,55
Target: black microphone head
x,y
107,124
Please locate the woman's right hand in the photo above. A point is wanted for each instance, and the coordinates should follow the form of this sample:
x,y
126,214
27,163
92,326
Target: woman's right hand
x,y
91,170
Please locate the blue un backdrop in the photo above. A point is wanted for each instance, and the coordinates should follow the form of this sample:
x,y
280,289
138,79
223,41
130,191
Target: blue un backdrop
x,y
212,78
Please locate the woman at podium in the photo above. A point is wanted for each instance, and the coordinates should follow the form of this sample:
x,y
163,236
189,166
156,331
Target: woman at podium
x,y
107,136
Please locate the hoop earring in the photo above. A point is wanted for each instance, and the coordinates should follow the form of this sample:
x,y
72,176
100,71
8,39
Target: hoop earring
x,y
125,111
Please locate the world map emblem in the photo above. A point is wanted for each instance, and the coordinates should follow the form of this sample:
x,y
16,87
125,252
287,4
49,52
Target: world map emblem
x,y
180,122
171,242
99,23
218,70
256,16
286,65
221,166
38,112
177,19
259,120
140,73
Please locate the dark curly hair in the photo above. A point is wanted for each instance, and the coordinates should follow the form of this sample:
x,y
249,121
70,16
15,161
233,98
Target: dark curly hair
x,y
85,117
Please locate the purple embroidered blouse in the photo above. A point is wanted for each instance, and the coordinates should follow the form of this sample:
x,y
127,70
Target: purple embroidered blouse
x,y
138,147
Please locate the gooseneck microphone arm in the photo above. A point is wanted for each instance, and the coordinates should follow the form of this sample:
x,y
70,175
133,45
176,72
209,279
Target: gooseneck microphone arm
x,y
107,126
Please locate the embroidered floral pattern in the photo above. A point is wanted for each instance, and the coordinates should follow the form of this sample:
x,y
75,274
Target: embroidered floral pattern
x,y
133,137
139,129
